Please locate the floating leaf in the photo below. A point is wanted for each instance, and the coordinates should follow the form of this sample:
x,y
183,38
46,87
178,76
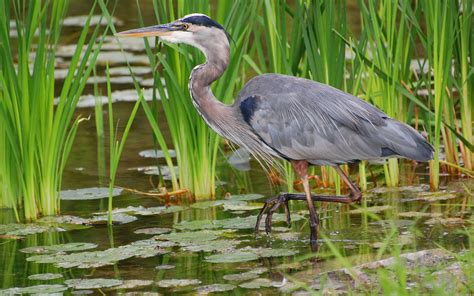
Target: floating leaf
x,y
447,221
259,283
89,193
198,224
23,229
130,284
245,276
70,247
241,206
232,257
98,283
117,218
80,20
45,276
178,283
141,249
269,252
43,289
215,245
204,290
154,231
159,210
64,219
246,197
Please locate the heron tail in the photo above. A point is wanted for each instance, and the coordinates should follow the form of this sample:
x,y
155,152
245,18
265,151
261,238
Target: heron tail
x,y
404,141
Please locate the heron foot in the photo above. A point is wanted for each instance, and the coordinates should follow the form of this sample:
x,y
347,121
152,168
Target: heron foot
x,y
272,204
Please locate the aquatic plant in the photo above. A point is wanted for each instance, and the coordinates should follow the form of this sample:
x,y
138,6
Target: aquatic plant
x,y
35,135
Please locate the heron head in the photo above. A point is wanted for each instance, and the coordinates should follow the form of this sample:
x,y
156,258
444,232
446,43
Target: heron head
x,y
196,29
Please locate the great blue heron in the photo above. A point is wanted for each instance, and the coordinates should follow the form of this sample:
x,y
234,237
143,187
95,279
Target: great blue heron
x,y
299,120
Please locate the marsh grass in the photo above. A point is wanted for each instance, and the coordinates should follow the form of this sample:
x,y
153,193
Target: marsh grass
x,y
35,135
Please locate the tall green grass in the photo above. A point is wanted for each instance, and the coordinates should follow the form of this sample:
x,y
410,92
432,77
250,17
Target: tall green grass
x,y
35,135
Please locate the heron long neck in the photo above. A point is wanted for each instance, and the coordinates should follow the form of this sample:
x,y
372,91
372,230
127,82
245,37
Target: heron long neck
x,y
202,76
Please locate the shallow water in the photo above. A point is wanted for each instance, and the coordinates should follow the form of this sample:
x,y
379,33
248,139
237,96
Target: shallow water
x,y
357,234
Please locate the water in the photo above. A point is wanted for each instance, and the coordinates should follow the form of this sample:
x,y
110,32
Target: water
x,y
358,237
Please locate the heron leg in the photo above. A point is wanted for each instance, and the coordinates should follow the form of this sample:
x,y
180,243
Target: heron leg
x,y
273,203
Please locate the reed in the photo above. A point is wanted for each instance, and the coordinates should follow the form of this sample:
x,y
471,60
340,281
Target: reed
x,y
35,135
438,42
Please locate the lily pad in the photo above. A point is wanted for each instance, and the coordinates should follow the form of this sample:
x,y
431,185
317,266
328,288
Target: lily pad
x,y
154,231
153,153
131,284
245,276
178,283
204,290
246,197
269,252
259,283
89,193
241,206
215,245
159,210
23,229
44,289
447,221
98,283
70,247
118,218
376,209
140,249
45,276
232,257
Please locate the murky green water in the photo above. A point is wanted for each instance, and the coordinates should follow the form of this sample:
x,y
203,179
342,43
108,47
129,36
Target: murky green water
x,y
357,234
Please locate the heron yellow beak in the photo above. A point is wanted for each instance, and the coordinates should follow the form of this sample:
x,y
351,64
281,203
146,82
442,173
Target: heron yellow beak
x,y
152,31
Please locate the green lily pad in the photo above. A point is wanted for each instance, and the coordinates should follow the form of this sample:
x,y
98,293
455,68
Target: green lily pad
x,y
117,218
98,283
153,231
259,283
239,277
241,206
268,252
45,276
232,257
246,197
204,290
64,219
23,229
70,247
159,210
198,225
215,245
45,289
140,249
88,193
178,283
420,215
131,284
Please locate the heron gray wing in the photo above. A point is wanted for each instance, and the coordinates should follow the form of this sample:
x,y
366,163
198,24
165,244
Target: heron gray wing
x,y
302,119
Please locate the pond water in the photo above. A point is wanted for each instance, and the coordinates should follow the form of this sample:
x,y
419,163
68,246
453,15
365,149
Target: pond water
x,y
179,246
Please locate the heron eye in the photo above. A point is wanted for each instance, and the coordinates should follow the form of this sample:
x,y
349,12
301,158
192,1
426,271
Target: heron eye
x,y
185,26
